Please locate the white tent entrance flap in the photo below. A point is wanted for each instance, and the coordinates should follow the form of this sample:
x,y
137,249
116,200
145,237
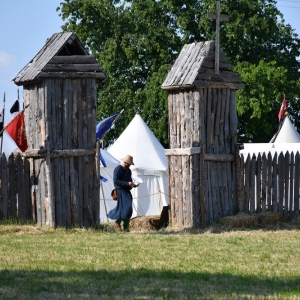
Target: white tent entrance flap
x,y
150,164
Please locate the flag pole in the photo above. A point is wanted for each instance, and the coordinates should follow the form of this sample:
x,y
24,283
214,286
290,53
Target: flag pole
x,y
113,123
3,123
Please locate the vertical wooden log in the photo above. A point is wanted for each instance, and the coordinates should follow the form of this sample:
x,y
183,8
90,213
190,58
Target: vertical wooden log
x,y
269,178
264,182
252,186
20,188
196,119
222,121
12,189
91,190
48,142
33,189
196,190
97,203
247,185
27,189
178,120
281,178
239,181
67,113
208,100
296,186
274,184
233,121
286,187
258,184
4,187
203,96
44,197
292,182
80,159
227,124
51,212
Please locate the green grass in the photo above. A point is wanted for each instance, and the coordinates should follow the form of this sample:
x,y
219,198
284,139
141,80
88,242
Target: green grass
x,y
42,263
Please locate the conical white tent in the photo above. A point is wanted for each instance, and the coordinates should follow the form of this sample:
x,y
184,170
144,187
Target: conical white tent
x,y
150,164
287,140
287,133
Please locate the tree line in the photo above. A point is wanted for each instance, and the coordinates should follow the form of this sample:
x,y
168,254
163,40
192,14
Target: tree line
x,y
136,43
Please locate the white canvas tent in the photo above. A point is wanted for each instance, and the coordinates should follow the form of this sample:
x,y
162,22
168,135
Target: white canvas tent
x,y
150,162
287,133
287,139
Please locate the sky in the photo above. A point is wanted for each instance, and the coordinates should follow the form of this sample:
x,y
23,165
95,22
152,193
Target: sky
x,y
25,27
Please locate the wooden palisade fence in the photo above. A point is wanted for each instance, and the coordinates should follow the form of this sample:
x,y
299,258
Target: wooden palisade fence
x,y
269,183
15,198
265,183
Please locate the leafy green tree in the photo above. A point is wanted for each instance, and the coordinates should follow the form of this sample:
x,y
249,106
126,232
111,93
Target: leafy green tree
x,y
137,41
259,102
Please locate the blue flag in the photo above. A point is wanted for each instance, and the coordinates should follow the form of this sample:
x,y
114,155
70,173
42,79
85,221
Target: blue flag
x,y
103,178
104,125
103,161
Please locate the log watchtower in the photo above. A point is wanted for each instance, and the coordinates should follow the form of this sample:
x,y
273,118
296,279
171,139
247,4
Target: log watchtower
x,y
202,136
59,89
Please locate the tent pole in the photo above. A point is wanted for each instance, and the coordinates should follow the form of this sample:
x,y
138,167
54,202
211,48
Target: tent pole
x,y
104,199
159,200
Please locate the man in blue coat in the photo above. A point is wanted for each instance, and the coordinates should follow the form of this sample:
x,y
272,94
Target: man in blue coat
x,y
123,184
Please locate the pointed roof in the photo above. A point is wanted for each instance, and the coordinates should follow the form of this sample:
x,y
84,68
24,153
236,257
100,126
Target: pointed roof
x,y
139,141
63,56
195,67
287,133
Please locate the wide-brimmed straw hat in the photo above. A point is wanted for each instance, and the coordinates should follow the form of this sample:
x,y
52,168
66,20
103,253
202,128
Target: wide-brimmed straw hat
x,y
128,159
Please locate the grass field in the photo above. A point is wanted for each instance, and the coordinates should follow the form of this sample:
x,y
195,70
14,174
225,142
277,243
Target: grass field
x,y
38,263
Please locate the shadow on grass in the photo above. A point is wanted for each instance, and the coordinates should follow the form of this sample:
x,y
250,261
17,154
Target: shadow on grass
x,y
141,284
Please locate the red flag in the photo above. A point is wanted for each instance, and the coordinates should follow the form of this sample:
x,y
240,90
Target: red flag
x,y
282,108
16,129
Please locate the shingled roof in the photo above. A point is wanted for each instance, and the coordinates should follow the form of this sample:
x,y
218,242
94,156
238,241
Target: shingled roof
x,y
63,56
195,67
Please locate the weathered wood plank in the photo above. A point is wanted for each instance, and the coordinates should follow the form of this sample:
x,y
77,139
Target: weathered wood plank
x,y
71,67
80,59
281,179
258,184
69,75
20,188
39,153
287,184
274,183
219,157
292,182
296,186
247,185
4,176
252,186
12,190
200,84
182,151
264,182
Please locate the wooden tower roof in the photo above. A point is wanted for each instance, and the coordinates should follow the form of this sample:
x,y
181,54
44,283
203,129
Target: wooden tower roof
x,y
195,67
63,56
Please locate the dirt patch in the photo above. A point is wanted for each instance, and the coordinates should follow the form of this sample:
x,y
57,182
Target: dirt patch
x,y
145,222
246,220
